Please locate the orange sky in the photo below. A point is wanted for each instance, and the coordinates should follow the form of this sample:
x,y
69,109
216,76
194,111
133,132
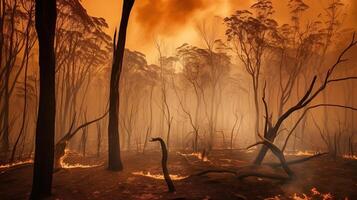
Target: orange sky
x,y
174,21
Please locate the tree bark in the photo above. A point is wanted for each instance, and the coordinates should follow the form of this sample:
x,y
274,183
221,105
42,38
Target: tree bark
x,y
46,15
114,160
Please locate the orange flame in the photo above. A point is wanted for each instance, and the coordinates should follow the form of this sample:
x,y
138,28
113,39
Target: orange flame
x,y
72,166
197,155
159,176
315,194
300,153
16,164
351,157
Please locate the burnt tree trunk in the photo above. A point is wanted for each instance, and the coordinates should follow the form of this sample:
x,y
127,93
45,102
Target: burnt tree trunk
x,y
46,15
168,180
271,134
61,145
271,130
114,160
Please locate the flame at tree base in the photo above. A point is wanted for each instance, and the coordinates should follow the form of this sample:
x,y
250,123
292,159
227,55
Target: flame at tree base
x,y
65,165
159,176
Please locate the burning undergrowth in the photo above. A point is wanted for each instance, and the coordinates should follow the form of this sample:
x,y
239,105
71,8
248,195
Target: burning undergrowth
x,y
72,159
158,176
321,178
17,163
350,157
313,194
301,153
197,155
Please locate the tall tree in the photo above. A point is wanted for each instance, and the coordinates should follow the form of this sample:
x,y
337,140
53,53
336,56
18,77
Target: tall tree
x,y
45,19
248,33
114,160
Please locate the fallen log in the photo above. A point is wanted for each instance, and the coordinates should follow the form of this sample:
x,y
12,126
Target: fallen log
x,y
297,161
244,172
214,171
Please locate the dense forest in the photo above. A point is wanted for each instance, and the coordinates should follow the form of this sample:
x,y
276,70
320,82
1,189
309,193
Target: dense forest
x,y
259,108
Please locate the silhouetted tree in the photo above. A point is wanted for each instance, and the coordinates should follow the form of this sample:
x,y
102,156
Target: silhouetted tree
x,y
45,15
249,35
272,128
18,38
164,159
82,48
133,84
30,39
206,68
114,160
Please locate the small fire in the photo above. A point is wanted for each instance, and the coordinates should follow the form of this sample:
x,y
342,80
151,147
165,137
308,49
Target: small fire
x,y
72,166
301,153
197,155
159,176
300,197
351,157
16,164
314,194
314,191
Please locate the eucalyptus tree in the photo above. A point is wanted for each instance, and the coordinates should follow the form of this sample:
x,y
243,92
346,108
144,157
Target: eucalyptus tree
x,y
249,34
82,49
205,69
134,83
17,33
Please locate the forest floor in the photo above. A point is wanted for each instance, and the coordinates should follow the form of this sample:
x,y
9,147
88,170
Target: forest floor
x,y
319,178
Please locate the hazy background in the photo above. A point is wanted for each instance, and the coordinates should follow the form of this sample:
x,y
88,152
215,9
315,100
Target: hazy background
x,y
174,21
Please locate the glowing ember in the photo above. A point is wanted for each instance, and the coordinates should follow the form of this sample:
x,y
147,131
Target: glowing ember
x,y
301,153
351,157
197,155
300,197
315,194
77,165
72,166
16,164
159,176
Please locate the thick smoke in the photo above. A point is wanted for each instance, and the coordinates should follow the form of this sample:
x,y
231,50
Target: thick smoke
x,y
166,16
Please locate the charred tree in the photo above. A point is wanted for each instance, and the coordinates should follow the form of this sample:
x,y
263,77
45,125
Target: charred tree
x,y
46,15
271,129
62,143
168,180
114,160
